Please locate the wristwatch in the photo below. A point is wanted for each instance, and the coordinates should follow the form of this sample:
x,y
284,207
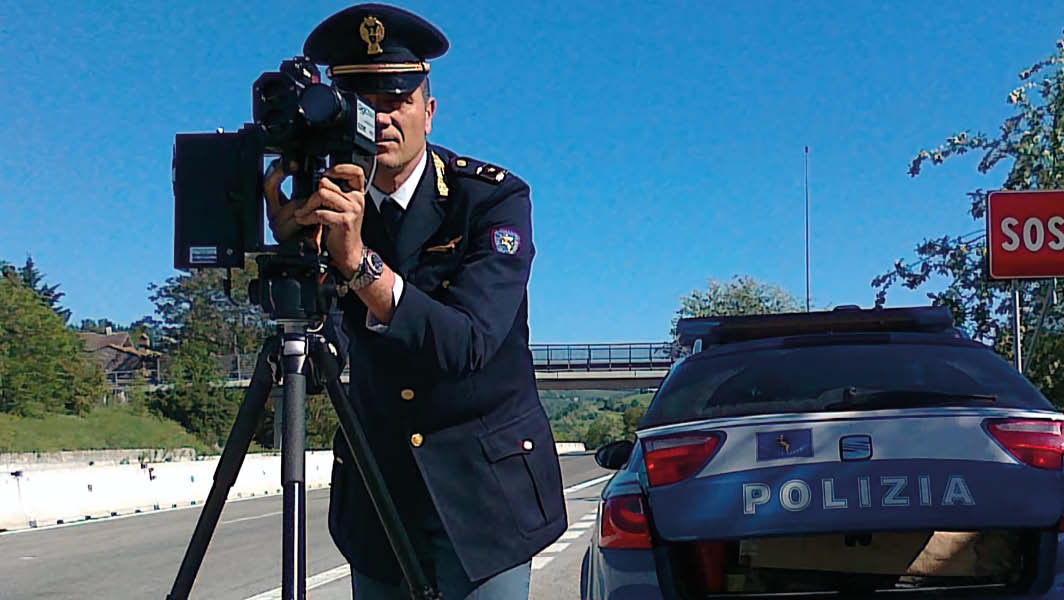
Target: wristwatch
x,y
368,271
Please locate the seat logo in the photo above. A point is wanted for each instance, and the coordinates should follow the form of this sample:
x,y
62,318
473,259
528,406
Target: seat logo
x,y
855,447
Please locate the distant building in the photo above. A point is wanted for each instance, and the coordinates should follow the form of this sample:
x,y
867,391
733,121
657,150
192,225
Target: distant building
x,y
118,357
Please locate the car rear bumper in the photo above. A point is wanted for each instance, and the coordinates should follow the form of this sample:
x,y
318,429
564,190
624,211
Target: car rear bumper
x,y
639,574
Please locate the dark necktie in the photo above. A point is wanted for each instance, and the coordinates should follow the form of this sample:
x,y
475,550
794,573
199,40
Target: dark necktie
x,y
392,215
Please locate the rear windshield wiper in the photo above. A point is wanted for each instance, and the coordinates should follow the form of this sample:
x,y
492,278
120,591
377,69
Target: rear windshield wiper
x,y
872,399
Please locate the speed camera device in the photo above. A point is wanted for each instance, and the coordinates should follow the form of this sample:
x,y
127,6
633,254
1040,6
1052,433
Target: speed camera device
x,y
218,177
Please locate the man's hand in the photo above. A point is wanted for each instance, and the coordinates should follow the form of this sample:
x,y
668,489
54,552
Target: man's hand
x,y
282,216
340,212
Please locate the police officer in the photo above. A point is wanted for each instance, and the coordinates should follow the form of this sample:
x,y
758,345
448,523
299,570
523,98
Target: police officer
x,y
436,255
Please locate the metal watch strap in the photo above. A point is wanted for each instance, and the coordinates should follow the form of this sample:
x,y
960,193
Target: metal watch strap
x,y
369,270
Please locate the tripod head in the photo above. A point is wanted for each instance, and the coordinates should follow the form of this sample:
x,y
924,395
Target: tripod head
x,y
293,284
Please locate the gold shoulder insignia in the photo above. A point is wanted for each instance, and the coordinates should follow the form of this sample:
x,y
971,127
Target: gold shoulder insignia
x,y
441,185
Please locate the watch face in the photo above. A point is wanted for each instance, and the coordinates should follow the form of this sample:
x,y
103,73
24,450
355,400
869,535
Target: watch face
x,y
369,270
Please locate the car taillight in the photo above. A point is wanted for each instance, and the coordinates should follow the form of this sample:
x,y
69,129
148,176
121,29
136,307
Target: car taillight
x,y
624,523
1034,442
670,458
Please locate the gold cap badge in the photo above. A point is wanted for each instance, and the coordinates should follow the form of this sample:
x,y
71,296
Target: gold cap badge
x,y
372,32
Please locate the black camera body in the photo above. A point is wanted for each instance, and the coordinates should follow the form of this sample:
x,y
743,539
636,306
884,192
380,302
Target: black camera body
x,y
218,177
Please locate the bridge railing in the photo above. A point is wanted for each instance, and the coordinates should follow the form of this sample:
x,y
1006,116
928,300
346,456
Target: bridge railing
x,y
545,357
601,357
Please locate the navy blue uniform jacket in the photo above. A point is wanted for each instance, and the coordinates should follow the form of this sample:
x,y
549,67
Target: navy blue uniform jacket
x,y
448,394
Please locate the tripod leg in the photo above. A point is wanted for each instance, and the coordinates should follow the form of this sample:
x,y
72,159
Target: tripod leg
x,y
355,436
293,468
236,448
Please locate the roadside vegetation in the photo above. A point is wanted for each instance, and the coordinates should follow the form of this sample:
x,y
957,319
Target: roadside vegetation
x,y
102,428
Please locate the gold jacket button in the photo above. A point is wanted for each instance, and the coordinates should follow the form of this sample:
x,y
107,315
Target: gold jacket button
x,y
446,283
407,394
416,440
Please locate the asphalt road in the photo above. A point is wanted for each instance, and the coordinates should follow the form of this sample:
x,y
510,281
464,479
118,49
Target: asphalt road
x,y
137,557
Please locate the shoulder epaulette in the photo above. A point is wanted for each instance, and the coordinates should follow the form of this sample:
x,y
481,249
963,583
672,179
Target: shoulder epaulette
x,y
471,167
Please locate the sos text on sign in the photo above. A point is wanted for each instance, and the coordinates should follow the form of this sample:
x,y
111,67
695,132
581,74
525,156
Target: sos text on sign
x,y
1025,234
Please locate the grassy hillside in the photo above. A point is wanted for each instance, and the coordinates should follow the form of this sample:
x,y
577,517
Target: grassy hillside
x,y
110,427
592,417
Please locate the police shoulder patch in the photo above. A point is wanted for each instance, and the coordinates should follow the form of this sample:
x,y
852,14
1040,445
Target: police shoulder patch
x,y
505,240
472,167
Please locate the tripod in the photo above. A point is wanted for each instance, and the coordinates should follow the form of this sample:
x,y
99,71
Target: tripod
x,y
290,290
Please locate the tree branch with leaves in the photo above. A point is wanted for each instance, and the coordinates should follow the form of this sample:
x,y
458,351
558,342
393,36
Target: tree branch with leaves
x,y
1030,142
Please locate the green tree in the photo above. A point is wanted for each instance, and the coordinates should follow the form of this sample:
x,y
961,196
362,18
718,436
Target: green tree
x,y
607,427
201,329
631,417
197,398
743,295
139,396
43,368
1031,144
322,422
227,327
33,279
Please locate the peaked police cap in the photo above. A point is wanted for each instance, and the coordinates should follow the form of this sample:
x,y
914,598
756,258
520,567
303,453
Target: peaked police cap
x,y
375,48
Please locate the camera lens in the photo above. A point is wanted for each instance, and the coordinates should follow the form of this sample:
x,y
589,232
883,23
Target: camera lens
x,y
322,105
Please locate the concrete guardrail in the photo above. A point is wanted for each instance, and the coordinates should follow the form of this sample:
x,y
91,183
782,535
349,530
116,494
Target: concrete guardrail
x,y
51,490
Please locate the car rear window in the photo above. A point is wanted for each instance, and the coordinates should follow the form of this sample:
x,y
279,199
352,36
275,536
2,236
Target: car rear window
x,y
810,377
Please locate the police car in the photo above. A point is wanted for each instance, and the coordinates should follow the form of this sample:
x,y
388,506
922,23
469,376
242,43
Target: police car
x,y
848,452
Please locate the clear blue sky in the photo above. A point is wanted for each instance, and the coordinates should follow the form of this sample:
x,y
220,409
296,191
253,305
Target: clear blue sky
x,y
663,141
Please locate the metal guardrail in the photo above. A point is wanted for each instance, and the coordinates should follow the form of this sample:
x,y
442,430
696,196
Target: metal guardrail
x,y
545,358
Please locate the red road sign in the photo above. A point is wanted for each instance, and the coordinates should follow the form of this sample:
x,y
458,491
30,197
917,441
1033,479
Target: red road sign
x,y
1025,234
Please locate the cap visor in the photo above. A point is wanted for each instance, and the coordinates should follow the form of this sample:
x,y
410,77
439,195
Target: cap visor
x,y
380,83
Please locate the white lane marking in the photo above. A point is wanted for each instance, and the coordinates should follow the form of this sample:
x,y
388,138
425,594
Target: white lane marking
x,y
538,562
585,484
280,512
555,547
312,582
591,516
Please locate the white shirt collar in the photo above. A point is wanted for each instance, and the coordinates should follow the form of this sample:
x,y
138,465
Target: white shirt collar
x,y
405,193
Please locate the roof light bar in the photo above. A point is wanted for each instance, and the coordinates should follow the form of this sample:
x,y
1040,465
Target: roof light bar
x,y
848,319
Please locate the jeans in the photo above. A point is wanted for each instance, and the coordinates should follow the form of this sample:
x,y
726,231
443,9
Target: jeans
x,y
451,580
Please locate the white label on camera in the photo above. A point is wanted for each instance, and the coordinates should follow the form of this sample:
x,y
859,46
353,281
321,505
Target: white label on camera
x,y
202,255
366,122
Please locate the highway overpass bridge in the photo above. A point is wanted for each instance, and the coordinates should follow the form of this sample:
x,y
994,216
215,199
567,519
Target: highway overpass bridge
x,y
618,366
